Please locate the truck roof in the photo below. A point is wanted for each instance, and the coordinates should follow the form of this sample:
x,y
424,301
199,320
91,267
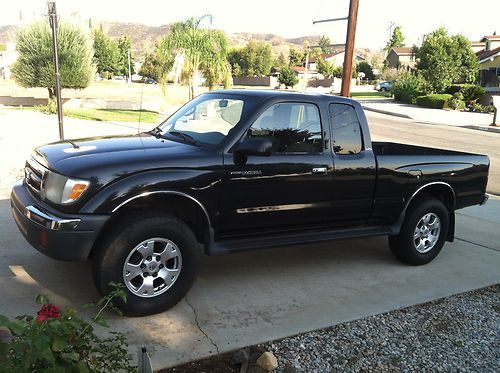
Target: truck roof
x,y
279,94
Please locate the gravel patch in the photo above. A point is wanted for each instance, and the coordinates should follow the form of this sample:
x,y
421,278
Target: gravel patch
x,y
460,333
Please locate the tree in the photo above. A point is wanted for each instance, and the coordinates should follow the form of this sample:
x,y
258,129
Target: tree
x,y
124,47
204,50
35,65
157,65
324,43
106,53
328,69
295,57
364,67
288,77
255,59
397,39
279,62
444,60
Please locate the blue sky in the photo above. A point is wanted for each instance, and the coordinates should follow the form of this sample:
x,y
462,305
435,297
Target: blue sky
x,y
287,18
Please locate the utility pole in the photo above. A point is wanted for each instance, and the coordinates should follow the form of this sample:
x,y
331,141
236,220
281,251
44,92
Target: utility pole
x,y
349,48
53,25
352,19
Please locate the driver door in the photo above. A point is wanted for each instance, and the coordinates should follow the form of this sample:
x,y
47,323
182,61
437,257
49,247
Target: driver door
x,y
292,186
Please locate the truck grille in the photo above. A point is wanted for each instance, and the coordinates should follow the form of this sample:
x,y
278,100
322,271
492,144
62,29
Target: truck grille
x,y
33,176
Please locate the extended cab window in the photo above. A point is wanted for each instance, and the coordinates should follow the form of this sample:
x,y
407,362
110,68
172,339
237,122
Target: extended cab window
x,y
292,128
346,129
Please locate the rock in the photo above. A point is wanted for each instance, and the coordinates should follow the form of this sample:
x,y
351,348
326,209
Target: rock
x,y
289,368
267,361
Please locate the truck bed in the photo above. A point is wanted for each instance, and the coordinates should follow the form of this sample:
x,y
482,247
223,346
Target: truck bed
x,y
390,148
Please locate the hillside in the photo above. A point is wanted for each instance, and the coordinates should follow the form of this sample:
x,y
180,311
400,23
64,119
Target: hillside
x,y
144,37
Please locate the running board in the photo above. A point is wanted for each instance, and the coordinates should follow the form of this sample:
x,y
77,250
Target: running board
x,y
227,246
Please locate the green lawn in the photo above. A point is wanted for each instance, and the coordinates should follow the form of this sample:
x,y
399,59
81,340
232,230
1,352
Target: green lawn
x,y
113,115
370,94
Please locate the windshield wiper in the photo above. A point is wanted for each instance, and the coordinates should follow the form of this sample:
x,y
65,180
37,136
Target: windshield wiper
x,y
156,132
184,136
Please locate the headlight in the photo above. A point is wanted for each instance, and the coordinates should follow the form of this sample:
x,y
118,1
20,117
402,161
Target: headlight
x,y
62,189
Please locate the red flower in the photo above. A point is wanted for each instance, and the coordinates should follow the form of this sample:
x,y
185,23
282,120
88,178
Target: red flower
x,y
48,311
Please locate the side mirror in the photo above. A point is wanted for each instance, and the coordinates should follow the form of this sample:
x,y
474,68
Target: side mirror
x,y
255,146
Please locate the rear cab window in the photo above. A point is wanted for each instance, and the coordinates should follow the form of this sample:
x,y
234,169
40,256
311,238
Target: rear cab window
x,y
346,130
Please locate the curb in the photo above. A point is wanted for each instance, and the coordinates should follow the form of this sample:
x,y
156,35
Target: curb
x,y
493,129
386,112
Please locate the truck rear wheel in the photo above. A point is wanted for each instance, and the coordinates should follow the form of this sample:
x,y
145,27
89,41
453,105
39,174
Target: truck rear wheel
x,y
155,257
423,232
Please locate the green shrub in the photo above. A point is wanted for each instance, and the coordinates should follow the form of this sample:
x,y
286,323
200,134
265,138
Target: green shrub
x,y
433,101
470,92
458,96
478,108
408,87
56,340
50,108
454,88
456,103
288,77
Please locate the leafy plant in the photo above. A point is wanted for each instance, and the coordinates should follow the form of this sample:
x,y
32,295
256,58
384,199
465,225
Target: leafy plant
x,y
255,59
288,77
35,66
456,102
408,87
433,101
478,108
445,59
203,50
397,39
56,340
471,93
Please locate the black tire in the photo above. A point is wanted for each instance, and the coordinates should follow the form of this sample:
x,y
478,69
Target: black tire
x,y
383,89
127,234
403,246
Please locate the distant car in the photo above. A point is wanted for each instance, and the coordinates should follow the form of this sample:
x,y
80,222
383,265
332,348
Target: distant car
x,y
150,81
384,86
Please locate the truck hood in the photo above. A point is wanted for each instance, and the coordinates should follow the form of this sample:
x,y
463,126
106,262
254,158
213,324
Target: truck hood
x,y
106,158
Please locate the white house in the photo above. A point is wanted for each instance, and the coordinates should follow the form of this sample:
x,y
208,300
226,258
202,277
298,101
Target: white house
x,y
337,58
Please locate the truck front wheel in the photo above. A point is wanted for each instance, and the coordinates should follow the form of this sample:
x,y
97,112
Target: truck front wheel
x,y
423,232
155,257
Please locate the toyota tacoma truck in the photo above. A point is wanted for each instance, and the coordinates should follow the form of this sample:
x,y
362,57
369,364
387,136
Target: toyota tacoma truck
x,y
236,170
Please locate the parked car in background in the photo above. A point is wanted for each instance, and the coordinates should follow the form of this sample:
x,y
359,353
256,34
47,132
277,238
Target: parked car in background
x,y
150,81
384,86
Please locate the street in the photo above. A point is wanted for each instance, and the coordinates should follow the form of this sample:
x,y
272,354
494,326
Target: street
x,y
389,128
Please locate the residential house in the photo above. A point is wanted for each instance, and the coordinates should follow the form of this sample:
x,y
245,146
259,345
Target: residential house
x,y
491,42
337,58
311,73
477,46
401,57
489,60
489,67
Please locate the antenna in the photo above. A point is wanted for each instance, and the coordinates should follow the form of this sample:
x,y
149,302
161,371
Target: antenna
x,y
140,106
392,24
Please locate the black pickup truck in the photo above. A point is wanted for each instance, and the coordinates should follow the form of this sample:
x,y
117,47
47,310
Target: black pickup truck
x,y
237,170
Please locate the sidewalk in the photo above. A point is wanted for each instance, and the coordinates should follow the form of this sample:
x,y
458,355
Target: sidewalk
x,y
480,121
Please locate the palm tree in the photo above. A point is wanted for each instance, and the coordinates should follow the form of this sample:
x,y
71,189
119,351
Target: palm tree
x,y
204,51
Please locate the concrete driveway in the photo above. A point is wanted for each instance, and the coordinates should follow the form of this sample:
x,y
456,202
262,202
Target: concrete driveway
x,y
247,298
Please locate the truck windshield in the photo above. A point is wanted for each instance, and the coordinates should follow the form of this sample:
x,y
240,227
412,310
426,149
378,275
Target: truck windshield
x,y
205,120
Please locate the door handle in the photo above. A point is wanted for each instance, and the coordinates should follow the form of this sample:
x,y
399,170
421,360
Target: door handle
x,y
319,170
